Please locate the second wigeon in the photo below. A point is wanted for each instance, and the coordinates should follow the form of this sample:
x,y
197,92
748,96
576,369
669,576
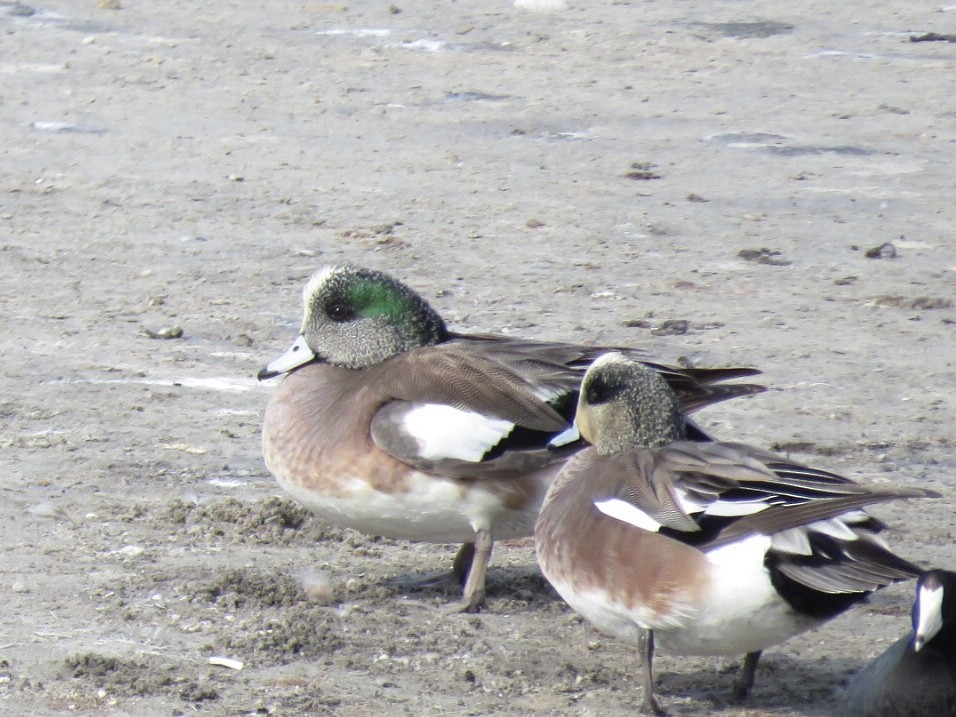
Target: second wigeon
x,y
701,548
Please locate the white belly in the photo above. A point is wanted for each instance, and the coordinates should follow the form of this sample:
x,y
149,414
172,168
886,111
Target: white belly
x,y
742,612
432,510
739,612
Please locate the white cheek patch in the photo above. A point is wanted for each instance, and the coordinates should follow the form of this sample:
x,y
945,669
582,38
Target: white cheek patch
x,y
929,602
627,513
443,432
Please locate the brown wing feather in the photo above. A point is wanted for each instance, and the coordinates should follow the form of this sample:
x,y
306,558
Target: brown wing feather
x,y
567,363
447,374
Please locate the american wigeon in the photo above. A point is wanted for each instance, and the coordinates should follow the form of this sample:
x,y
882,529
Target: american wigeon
x,y
916,677
703,548
389,423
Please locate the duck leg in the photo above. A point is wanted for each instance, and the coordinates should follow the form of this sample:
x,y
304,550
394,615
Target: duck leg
x,y
474,592
646,646
463,562
748,671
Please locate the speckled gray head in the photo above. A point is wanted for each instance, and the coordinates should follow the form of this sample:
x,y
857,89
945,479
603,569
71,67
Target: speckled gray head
x,y
625,404
355,318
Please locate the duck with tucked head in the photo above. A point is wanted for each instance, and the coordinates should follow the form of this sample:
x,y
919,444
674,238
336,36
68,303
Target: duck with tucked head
x,y
389,423
700,548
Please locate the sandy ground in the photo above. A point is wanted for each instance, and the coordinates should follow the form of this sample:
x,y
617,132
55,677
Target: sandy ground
x,y
586,174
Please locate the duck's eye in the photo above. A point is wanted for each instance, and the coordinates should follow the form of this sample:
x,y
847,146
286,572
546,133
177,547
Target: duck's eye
x,y
339,312
596,392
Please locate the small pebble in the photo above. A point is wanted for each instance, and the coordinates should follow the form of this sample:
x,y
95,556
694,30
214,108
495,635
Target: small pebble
x,y
672,327
884,251
317,586
173,332
229,662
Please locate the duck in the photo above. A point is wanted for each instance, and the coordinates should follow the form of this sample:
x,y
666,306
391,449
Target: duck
x,y
701,548
916,676
387,422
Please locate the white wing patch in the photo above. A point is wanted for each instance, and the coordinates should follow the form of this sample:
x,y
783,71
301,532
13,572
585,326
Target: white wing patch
x,y
627,513
444,432
549,393
797,540
719,508
794,541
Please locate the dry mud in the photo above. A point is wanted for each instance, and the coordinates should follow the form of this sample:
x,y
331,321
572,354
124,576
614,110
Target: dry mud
x,y
709,180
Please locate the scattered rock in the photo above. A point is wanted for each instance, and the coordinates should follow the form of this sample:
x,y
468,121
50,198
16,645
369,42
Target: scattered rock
x,y
642,171
672,327
933,37
173,332
764,255
922,303
886,250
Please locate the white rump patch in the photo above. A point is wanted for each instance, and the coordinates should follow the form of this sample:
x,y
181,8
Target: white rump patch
x,y
744,555
627,513
929,602
444,432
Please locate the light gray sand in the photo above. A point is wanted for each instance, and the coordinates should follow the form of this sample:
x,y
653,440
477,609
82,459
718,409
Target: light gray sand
x,y
586,174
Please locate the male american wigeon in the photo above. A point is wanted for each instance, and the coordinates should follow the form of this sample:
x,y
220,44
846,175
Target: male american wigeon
x,y
703,548
916,677
391,424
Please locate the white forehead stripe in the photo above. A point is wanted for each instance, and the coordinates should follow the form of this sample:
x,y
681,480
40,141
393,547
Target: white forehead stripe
x,y
318,278
444,432
929,601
